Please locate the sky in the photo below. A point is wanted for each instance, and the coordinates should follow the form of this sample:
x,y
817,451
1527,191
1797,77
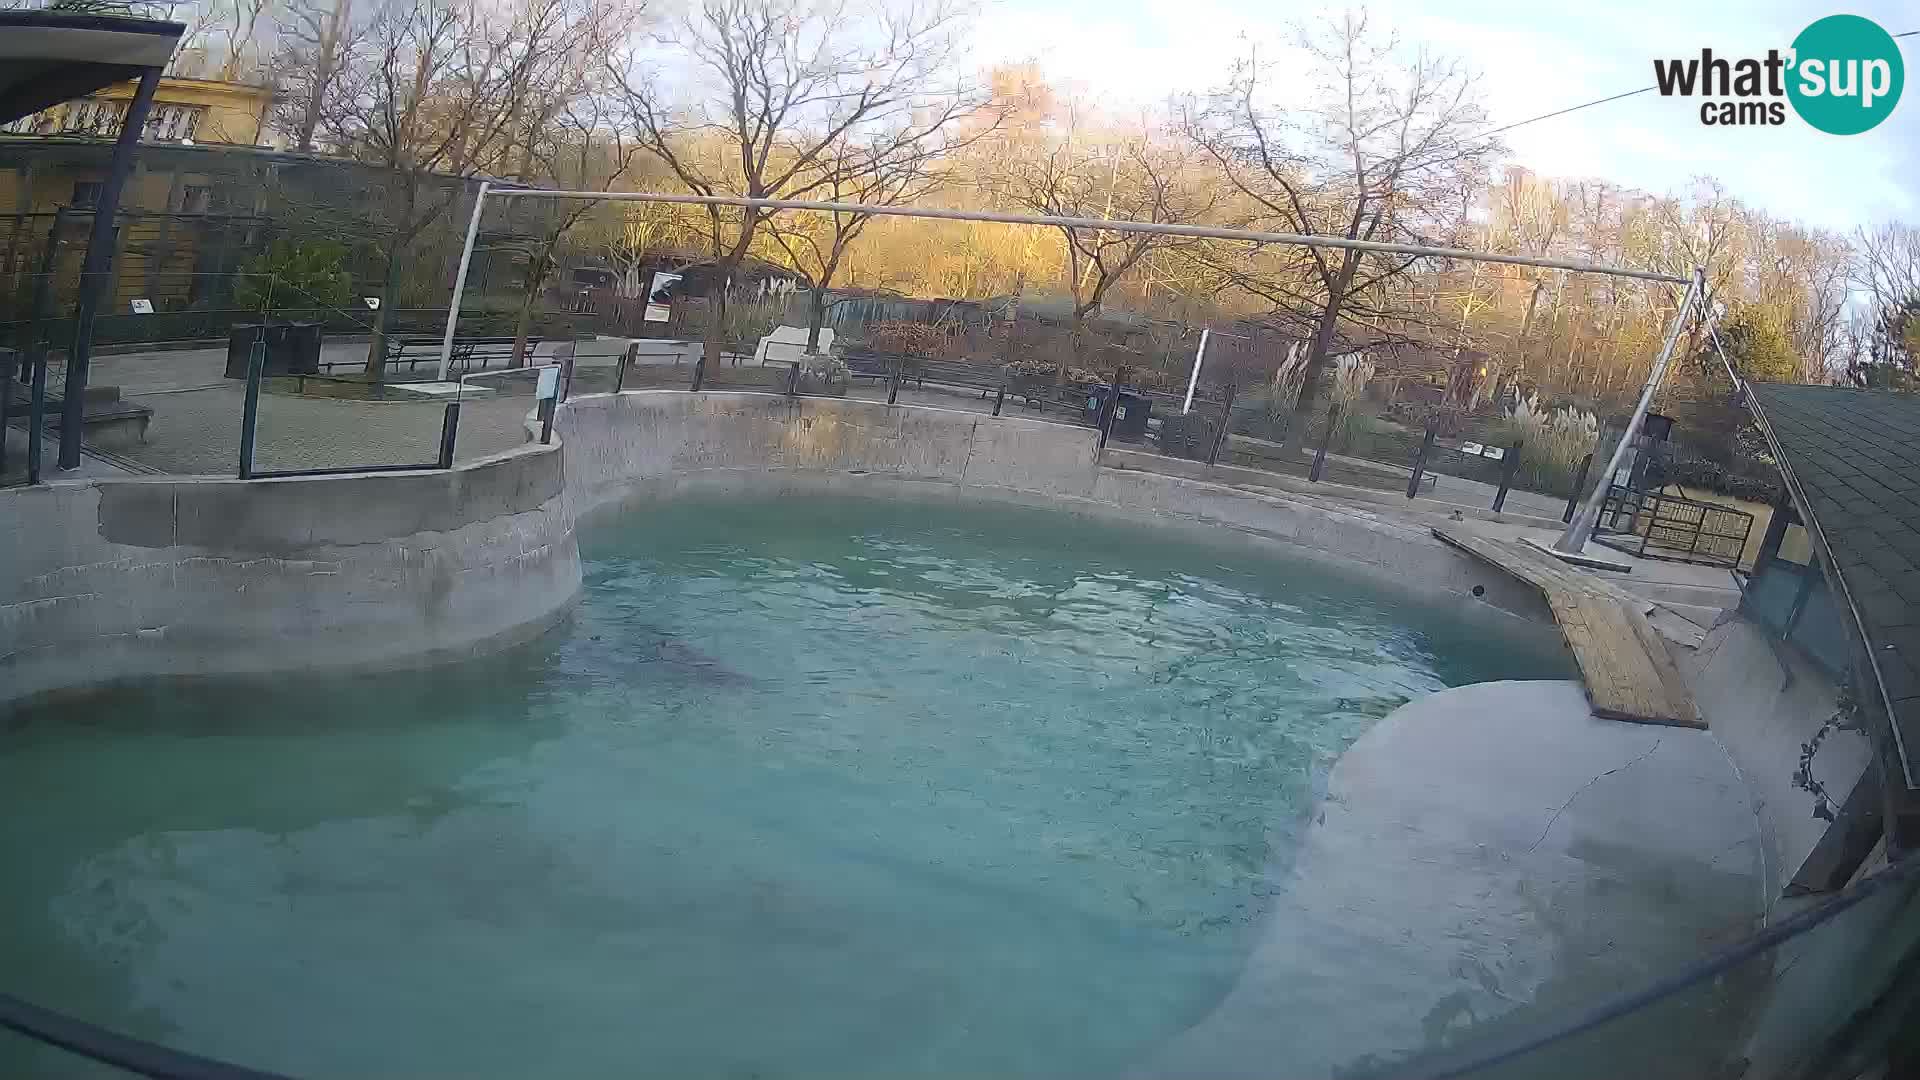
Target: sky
x,y
1533,58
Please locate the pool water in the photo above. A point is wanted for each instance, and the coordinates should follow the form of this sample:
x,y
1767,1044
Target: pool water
x,y
804,787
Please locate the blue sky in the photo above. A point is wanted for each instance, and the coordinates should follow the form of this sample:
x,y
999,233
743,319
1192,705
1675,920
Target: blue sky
x,y
1533,58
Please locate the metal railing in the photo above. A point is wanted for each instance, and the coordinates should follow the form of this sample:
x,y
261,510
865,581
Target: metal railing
x,y
1652,525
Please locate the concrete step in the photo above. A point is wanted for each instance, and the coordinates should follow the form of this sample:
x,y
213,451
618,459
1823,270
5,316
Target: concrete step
x,y
1700,615
1674,627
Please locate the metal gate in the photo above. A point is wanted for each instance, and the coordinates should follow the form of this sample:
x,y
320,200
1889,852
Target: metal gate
x,y
1657,526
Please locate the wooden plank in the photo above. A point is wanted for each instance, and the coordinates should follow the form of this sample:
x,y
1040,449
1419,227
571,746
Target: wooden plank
x,y
1625,664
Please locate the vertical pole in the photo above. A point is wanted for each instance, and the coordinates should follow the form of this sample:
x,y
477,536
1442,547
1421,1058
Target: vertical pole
x,y
566,371
1507,469
1420,464
1580,529
460,281
1326,437
620,369
793,379
999,399
98,264
250,412
9,359
449,431
1193,379
893,382
36,415
1777,523
1226,420
1579,485
546,421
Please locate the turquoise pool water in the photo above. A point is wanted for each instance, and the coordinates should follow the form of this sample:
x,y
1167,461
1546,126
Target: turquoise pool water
x,y
804,787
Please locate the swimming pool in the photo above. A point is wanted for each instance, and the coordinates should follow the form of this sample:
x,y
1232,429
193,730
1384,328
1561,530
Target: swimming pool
x,y
804,787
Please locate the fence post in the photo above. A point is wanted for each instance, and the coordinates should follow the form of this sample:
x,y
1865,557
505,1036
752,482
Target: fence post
x,y
1110,408
793,380
1226,420
1326,437
1579,485
1507,469
893,382
1000,399
9,359
1420,464
620,369
566,369
250,412
36,415
449,431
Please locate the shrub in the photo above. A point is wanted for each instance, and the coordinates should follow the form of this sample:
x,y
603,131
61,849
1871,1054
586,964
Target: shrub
x,y
288,275
1554,442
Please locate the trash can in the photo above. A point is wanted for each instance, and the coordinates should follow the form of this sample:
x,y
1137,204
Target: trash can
x,y
292,348
1130,411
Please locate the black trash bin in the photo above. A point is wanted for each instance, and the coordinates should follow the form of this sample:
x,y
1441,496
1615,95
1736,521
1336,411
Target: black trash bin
x,y
292,348
1130,411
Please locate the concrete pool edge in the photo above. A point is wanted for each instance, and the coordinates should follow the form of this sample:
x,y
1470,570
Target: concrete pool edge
x,y
117,580
123,579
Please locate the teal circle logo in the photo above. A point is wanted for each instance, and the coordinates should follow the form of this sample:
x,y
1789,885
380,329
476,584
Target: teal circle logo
x,y
1846,76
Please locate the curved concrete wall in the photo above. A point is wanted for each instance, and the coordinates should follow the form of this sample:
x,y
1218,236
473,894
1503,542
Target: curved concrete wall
x,y
103,580
657,443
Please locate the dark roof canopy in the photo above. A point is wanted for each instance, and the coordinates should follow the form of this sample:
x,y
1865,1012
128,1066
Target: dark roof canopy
x,y
47,57
1852,458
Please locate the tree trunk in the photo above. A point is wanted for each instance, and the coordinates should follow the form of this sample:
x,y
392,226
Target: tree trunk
x,y
816,317
1305,403
377,344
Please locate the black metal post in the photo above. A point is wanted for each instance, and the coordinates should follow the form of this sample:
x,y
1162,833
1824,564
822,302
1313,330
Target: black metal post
x,y
1226,420
449,431
793,379
250,412
1420,464
9,360
36,415
1326,437
566,371
699,369
1579,486
893,382
98,265
999,399
1777,523
546,421
620,369
1507,469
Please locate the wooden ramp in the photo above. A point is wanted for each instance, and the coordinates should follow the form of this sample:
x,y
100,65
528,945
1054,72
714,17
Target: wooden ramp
x,y
1629,673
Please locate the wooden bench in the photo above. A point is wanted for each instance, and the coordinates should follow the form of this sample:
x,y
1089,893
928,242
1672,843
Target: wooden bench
x,y
1628,671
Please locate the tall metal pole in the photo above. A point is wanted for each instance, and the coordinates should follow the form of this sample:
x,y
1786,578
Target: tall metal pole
x,y
1580,529
98,265
1193,380
460,282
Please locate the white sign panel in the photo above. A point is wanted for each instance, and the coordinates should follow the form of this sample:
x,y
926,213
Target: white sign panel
x,y
143,306
549,384
662,281
372,302
659,313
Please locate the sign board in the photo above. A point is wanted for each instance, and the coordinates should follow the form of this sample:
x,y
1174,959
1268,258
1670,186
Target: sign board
x,y
1471,448
549,387
372,302
142,306
660,291
1497,453
659,313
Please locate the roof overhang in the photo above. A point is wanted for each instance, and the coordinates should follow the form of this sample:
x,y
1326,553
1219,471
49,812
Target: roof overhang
x,y
47,58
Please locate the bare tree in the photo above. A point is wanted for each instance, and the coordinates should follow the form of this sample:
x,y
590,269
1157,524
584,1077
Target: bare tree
x,y
1887,271
775,86
1133,178
890,168
320,45
1388,151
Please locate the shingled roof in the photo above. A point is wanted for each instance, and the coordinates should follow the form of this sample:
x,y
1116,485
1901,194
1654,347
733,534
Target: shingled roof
x,y
1852,458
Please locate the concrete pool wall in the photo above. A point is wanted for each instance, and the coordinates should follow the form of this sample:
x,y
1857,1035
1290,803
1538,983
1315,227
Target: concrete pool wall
x,y
104,580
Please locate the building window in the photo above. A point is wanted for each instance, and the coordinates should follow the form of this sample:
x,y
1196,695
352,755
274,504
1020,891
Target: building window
x,y
172,123
86,195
